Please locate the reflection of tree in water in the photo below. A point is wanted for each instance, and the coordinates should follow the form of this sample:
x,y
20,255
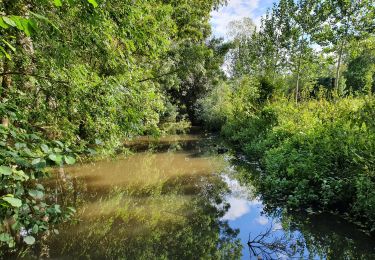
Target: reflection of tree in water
x,y
331,237
163,217
306,236
311,237
268,246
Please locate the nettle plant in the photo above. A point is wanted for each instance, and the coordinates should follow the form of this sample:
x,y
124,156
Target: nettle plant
x,y
26,210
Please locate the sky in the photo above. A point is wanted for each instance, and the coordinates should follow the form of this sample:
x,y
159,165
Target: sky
x,y
236,10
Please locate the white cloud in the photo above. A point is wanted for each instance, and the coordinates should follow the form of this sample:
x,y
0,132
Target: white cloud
x,y
238,208
277,226
261,220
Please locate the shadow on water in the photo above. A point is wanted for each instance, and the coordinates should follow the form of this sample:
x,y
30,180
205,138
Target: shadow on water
x,y
178,198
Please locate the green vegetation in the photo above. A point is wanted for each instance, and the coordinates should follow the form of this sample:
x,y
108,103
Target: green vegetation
x,y
300,101
80,77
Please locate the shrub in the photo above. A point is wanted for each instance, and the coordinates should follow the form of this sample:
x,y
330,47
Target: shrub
x,y
26,208
317,153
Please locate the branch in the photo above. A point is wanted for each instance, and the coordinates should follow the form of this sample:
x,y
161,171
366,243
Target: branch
x,y
32,75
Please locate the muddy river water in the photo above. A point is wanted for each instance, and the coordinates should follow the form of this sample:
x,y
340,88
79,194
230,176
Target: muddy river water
x,y
182,197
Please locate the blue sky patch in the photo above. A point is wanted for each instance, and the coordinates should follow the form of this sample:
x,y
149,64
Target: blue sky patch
x,y
236,10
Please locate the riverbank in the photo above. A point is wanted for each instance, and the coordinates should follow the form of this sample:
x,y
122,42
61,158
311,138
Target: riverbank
x,y
317,155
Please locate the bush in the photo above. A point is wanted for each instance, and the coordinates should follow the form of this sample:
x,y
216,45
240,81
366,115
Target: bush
x,y
26,207
317,154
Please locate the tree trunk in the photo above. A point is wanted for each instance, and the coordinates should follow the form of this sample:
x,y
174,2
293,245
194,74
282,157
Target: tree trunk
x,y
299,69
341,53
337,82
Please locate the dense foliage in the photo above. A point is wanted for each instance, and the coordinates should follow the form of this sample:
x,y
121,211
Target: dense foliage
x,y
300,101
84,75
81,76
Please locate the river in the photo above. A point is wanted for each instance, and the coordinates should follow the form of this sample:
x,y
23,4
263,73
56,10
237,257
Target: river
x,y
182,197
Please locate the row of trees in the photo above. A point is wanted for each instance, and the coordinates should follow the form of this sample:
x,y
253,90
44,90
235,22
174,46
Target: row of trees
x,y
303,44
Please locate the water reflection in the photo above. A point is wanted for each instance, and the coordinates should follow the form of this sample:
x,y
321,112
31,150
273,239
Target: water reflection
x,y
179,199
153,205
272,232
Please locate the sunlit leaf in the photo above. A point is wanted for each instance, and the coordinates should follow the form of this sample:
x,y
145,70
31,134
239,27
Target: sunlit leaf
x,y
45,148
9,21
56,158
57,3
30,240
13,201
5,53
93,2
3,24
4,170
69,160
9,45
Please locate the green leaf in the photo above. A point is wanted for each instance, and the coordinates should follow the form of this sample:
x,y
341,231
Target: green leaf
x,y
35,229
69,160
4,170
13,201
30,240
57,3
56,158
98,142
57,209
9,45
93,2
39,163
5,53
20,175
20,146
9,21
57,150
72,210
5,237
59,143
43,18
39,186
36,194
26,27
91,151
32,25
45,148
18,21
3,24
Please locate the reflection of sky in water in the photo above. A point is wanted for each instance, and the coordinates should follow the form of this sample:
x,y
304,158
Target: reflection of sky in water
x,y
245,214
